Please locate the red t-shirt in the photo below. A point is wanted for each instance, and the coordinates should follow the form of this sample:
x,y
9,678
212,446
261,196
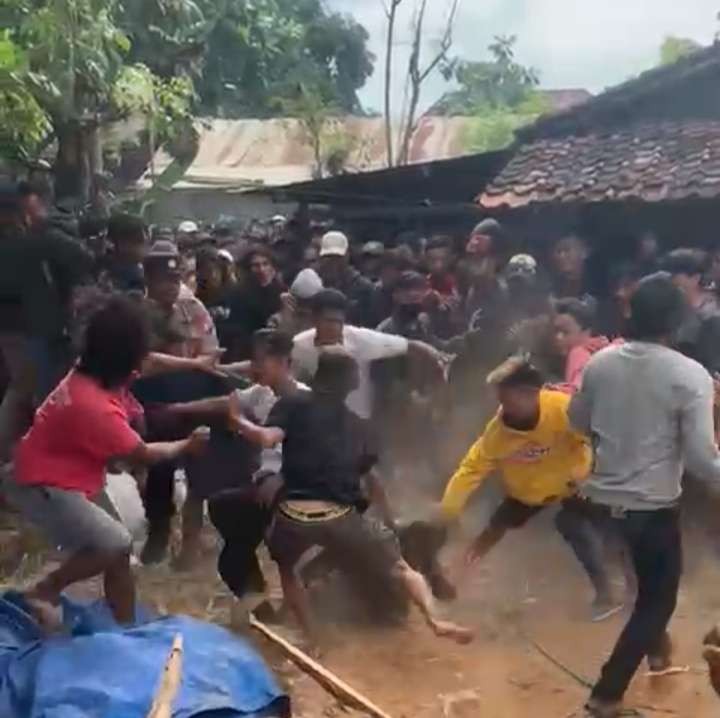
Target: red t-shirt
x,y
77,430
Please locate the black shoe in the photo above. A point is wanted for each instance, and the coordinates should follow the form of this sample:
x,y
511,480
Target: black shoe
x,y
156,547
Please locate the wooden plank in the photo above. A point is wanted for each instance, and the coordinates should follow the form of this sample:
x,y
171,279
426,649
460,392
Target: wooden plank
x,y
162,705
328,680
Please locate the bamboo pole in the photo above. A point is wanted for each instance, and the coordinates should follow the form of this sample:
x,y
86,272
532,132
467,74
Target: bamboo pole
x,y
162,705
328,680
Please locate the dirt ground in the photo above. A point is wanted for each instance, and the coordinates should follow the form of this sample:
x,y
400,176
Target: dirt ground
x,y
529,591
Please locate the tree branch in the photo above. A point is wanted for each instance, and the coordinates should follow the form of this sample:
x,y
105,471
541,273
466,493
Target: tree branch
x,y
391,12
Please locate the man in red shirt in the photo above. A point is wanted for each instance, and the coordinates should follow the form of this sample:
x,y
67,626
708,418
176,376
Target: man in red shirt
x,y
60,463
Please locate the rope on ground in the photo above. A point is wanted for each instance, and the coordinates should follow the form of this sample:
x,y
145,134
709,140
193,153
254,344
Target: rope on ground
x,y
328,680
584,682
162,705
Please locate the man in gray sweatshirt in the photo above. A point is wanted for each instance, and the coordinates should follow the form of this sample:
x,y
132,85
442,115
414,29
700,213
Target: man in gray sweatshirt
x,y
649,412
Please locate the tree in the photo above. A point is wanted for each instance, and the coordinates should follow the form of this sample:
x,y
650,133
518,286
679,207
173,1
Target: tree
x,y
75,69
419,73
496,83
391,13
23,122
68,67
259,51
674,48
500,95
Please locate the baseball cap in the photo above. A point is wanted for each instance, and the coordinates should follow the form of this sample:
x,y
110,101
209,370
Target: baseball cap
x,y
306,285
521,264
411,280
187,227
334,244
373,249
224,254
489,227
163,256
278,219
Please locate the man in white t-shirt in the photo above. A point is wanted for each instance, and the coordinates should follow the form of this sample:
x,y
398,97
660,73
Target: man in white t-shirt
x,y
364,345
242,512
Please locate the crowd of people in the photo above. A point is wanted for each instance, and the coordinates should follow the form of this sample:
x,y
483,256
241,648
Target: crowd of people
x,y
293,375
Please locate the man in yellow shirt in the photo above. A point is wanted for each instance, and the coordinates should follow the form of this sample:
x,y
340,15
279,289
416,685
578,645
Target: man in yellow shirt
x,y
541,461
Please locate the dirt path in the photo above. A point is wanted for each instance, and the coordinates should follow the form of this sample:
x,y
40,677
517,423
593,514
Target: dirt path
x,y
530,587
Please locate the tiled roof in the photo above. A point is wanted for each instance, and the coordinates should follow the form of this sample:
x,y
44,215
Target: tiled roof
x,y
650,162
686,88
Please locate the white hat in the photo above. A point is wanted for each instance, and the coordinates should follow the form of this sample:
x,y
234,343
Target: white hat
x,y
306,285
278,219
224,254
187,227
523,263
334,244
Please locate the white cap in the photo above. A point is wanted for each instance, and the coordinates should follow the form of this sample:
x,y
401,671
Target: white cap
x,y
334,244
522,263
278,219
187,227
306,285
224,254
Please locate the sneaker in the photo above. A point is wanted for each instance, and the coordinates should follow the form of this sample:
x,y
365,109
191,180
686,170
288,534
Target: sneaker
x,y
604,609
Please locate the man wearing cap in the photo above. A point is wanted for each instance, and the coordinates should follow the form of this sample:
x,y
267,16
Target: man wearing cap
x,y
372,260
163,275
185,323
485,254
187,234
296,314
336,272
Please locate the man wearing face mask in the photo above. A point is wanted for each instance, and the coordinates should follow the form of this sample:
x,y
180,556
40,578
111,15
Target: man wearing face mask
x,y
408,318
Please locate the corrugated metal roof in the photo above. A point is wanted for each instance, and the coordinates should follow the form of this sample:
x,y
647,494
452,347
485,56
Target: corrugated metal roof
x,y
254,153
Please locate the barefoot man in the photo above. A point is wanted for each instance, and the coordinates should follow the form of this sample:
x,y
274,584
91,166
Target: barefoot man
x,y
325,456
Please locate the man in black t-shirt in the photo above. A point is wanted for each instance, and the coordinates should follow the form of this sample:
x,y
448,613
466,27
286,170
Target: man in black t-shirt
x,y
325,456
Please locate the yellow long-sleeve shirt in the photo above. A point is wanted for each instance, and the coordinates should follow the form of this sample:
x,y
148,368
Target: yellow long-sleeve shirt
x,y
537,466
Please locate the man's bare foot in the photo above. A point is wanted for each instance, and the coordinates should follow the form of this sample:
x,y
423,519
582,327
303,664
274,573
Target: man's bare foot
x,y
448,629
712,655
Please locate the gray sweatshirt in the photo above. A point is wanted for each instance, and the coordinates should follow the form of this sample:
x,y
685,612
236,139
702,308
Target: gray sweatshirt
x,y
649,413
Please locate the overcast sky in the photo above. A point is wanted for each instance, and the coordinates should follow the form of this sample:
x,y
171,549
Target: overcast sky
x,y
573,43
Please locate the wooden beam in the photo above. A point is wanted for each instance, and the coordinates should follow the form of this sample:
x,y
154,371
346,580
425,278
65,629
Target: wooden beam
x,y
162,705
328,680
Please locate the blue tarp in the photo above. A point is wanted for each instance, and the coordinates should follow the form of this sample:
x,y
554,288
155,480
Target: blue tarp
x,y
99,670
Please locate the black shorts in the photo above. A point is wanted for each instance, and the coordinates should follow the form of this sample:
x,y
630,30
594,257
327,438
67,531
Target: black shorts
x,y
513,514
351,539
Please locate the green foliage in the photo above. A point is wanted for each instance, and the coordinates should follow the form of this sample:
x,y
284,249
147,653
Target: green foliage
x,y
23,122
262,50
66,71
494,128
500,95
496,83
675,48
